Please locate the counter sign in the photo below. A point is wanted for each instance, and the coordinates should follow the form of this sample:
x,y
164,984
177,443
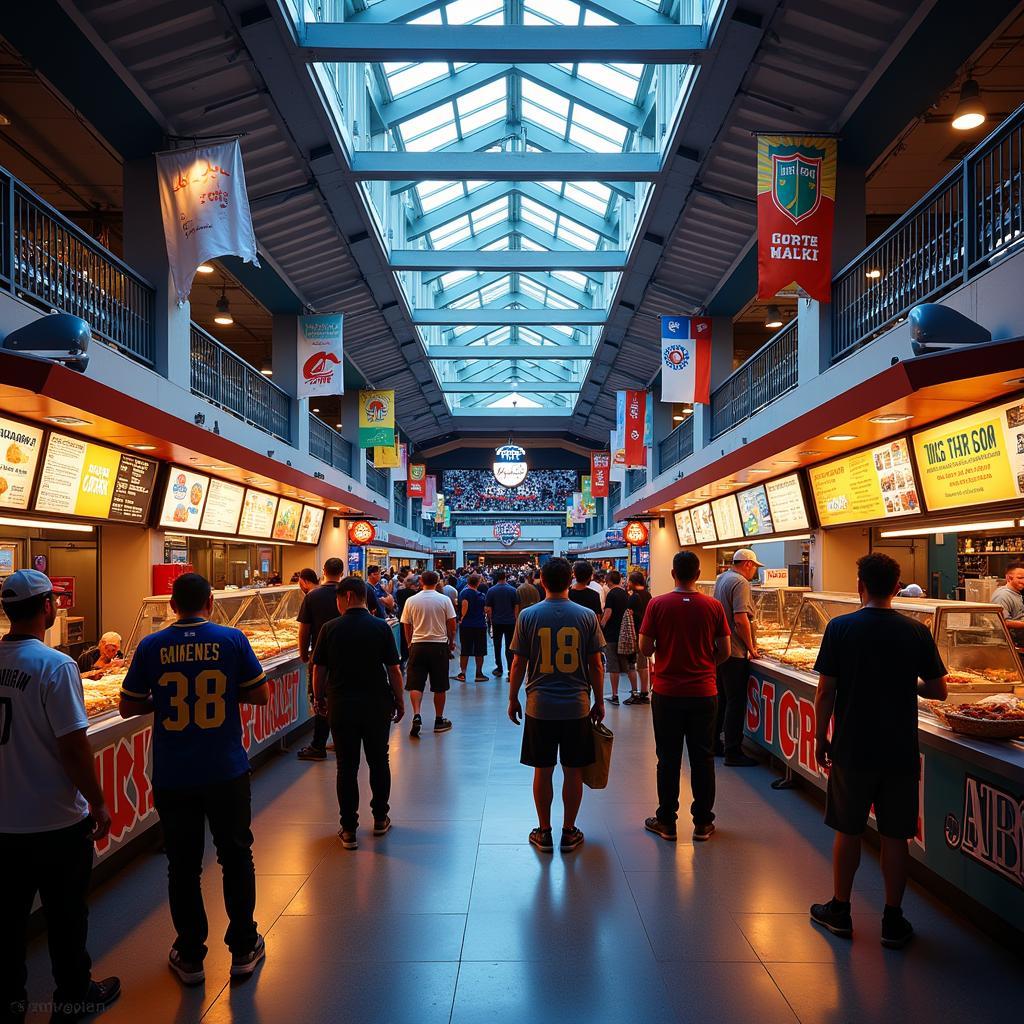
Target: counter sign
x,y
362,532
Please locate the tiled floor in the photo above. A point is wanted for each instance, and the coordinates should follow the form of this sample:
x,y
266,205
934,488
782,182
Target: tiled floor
x,y
453,917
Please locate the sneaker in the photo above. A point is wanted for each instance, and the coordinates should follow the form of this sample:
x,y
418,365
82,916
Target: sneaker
x,y
633,698
897,931
660,828
498,671
461,677
243,964
644,698
382,827
480,679
833,917
613,699
442,724
417,724
311,754
741,761
702,833
571,838
348,839
541,838
190,972
98,998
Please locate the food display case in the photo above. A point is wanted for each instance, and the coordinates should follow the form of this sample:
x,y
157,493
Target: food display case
x,y
706,587
775,611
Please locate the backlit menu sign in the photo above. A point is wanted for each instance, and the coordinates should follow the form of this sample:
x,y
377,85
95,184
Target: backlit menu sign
x,y
727,518
258,511
703,520
973,460
311,524
684,529
20,448
223,507
184,499
786,503
286,523
875,484
755,514
80,478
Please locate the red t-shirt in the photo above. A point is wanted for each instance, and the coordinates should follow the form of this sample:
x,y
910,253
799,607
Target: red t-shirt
x,y
684,626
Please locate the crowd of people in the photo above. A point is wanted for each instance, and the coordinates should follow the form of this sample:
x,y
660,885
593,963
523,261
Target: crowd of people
x,y
558,630
476,490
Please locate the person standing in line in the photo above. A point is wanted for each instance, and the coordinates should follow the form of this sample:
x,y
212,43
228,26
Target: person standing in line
x,y
557,651
410,584
194,675
358,682
732,589
52,808
616,604
451,592
501,606
428,625
319,606
378,600
687,634
527,592
581,592
639,599
472,630
1009,598
538,585
869,666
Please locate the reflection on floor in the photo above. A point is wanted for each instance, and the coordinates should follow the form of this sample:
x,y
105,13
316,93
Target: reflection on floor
x,y
454,917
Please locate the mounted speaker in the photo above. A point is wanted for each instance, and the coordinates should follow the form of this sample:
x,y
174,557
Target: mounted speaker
x,y
935,328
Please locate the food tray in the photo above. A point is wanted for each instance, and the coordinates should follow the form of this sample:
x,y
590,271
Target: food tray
x,y
987,729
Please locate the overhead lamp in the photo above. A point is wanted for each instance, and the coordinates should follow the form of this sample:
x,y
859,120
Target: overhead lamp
x,y
267,368
774,317
338,425
204,268
678,418
811,451
970,111
873,273
223,315
758,470
69,421
315,410
143,447
840,437
998,524
891,417
786,462
43,524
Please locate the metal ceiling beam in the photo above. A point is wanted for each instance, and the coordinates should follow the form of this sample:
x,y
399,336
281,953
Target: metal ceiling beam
x,y
472,284
398,166
624,11
499,317
507,411
540,387
513,259
347,42
547,333
505,351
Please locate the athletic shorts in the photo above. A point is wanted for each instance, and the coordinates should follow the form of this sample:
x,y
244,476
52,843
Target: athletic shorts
x,y
851,795
473,641
547,742
619,662
427,661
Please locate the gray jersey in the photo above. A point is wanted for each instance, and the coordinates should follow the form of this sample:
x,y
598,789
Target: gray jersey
x,y
733,590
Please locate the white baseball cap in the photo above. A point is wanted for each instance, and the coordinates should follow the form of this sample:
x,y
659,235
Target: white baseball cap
x,y
746,555
26,583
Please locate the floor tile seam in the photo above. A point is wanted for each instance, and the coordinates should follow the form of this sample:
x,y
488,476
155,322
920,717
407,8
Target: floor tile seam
x,y
216,999
732,916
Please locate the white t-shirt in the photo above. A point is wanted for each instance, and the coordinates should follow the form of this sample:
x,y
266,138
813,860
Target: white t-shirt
x,y
429,613
40,700
595,586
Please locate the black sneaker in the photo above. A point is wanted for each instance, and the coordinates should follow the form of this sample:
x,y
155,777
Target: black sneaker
x,y
644,698
571,839
833,917
417,724
659,828
311,754
190,972
98,998
243,964
383,827
613,699
442,724
633,698
702,833
741,761
897,931
348,839
541,838
498,671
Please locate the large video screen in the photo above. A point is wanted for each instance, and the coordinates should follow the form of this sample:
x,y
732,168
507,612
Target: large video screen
x,y
476,490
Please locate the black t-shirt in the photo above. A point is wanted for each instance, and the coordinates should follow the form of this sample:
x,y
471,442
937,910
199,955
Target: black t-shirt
x,y
356,649
618,601
588,598
318,607
402,596
638,602
877,656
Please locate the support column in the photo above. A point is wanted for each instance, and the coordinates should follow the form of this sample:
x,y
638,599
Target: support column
x,y
284,361
350,431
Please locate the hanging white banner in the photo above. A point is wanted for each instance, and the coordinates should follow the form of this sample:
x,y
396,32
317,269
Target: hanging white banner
x,y
205,209
321,371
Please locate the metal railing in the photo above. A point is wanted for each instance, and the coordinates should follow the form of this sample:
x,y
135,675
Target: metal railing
x,y
53,263
224,379
327,445
377,479
635,479
676,446
767,375
972,217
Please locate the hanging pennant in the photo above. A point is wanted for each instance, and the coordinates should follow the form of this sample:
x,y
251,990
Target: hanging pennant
x,y
417,484
600,467
376,418
636,418
319,355
686,359
387,457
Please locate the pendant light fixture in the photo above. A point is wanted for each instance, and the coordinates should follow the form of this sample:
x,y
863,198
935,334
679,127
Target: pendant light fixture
x,y
223,315
970,111
773,318
267,368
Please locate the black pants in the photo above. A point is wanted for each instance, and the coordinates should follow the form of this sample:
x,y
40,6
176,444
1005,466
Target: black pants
x,y
732,677
502,633
57,866
321,724
689,720
362,724
227,806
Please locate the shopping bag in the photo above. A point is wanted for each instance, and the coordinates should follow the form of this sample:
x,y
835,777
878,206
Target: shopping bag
x,y
596,775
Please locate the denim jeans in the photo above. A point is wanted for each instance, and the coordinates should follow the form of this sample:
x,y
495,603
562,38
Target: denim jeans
x,y
502,633
689,721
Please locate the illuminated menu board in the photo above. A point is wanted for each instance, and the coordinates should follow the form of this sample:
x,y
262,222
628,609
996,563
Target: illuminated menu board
x,y
286,522
80,478
20,448
684,529
755,514
703,520
786,503
311,524
258,511
184,498
223,507
727,517
874,484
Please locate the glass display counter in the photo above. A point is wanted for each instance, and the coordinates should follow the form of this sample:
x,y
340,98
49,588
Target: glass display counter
x,y
775,611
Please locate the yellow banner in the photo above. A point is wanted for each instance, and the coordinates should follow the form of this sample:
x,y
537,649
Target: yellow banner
x,y
376,419
387,457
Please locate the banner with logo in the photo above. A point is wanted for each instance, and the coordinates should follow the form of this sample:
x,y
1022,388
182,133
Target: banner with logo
x,y
507,533
568,511
796,196
589,505
376,419
447,515
319,354
416,486
430,497
686,359
509,465
579,511
636,420
205,209
600,466
439,509
387,457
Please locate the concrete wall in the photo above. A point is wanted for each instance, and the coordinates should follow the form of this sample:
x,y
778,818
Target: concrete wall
x,y
127,557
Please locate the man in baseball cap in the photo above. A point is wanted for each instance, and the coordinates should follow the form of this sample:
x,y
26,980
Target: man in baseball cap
x,y
747,555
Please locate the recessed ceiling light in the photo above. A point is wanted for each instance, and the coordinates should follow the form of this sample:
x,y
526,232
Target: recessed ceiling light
x,y
1014,382
811,451
316,410
891,417
69,421
786,462
840,437
873,274
677,418
209,465
143,447
204,268
758,470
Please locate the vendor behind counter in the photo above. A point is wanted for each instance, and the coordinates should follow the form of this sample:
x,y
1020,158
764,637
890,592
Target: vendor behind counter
x,y
95,661
1009,598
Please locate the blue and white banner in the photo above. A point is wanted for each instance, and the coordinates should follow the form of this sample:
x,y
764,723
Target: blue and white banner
x,y
686,359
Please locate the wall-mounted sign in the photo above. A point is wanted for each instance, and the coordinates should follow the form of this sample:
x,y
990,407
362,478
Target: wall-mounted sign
x,y
286,522
684,529
787,505
636,534
258,510
875,484
614,536
507,533
510,465
319,353
703,524
311,524
755,514
362,532
728,523
184,498
223,507
20,447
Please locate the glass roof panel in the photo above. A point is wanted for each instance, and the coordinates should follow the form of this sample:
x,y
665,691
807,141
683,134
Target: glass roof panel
x,y
407,77
467,12
553,12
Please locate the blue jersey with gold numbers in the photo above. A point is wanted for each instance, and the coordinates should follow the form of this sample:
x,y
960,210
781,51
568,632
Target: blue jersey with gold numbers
x,y
195,670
